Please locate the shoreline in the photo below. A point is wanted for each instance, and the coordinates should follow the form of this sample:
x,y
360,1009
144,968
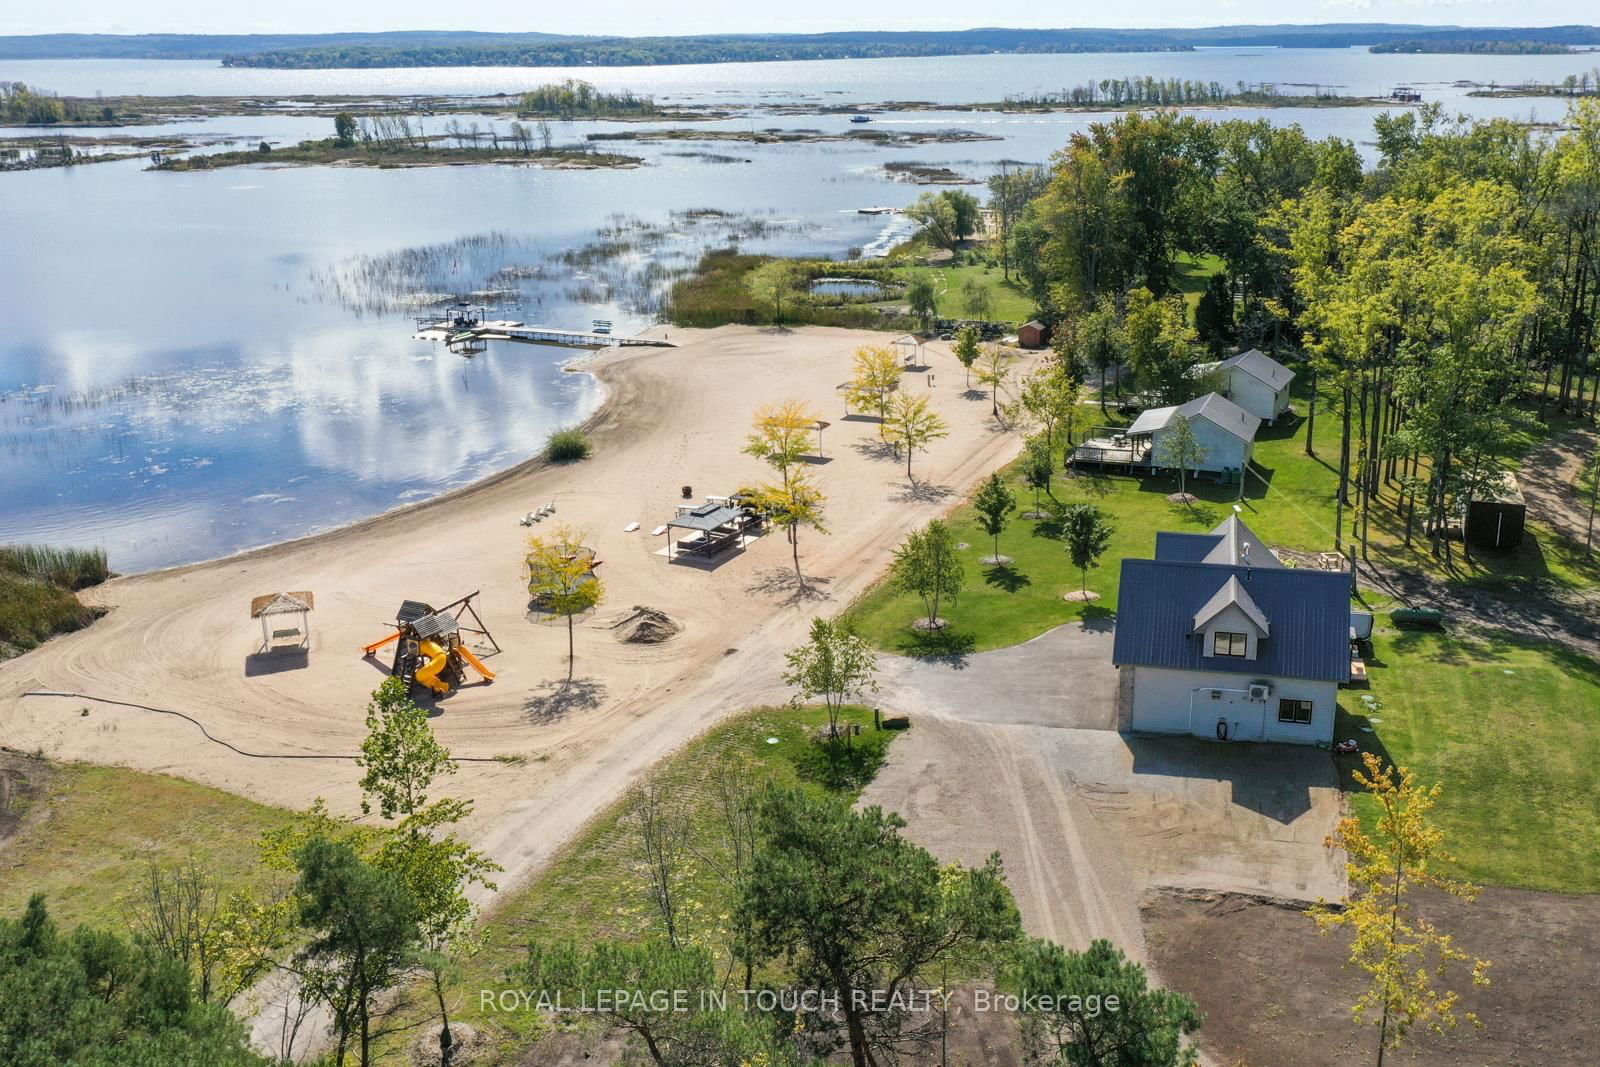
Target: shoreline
x,y
592,364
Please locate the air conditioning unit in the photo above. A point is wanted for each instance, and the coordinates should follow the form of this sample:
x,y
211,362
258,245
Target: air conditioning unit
x,y
1260,691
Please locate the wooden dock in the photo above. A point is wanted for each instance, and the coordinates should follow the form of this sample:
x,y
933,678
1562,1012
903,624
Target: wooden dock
x,y
453,331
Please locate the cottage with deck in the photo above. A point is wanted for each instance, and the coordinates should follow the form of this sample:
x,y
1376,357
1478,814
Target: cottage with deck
x,y
1255,382
1224,430
1216,638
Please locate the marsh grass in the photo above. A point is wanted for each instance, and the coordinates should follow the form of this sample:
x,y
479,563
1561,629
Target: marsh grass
x,y
37,600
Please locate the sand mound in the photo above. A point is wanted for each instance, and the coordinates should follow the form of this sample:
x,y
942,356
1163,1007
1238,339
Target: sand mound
x,y
645,626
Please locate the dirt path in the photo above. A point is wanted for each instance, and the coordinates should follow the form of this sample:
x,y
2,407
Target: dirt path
x,y
969,789
1549,481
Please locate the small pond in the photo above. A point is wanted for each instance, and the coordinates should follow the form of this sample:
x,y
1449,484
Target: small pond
x,y
850,289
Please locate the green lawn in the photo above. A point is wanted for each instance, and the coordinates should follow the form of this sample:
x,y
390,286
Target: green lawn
x,y
596,888
1194,274
1011,300
101,827
1512,731
1292,507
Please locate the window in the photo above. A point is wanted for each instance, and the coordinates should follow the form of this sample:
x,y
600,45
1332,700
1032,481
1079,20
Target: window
x,y
1224,643
1296,711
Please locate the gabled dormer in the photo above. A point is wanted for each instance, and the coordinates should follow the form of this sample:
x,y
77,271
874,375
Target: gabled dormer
x,y
1230,625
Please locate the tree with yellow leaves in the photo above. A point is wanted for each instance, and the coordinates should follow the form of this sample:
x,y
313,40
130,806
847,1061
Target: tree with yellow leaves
x,y
782,435
1402,952
561,577
791,505
876,377
912,424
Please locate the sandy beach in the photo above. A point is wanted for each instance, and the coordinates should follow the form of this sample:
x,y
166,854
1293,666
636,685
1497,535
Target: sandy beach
x,y
183,640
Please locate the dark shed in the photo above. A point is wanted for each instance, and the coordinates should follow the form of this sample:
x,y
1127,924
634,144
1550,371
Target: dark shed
x,y
1497,521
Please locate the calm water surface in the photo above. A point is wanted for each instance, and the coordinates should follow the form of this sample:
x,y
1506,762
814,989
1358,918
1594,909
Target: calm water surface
x,y
194,364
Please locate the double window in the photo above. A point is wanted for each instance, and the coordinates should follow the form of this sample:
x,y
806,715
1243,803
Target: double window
x,y
1295,711
1224,643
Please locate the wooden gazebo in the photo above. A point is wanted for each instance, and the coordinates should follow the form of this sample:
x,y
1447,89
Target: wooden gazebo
x,y
270,607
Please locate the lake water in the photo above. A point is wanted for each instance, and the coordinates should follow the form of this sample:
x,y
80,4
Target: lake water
x,y
198,363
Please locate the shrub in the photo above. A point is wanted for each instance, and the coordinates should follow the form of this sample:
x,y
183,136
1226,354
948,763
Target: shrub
x,y
567,446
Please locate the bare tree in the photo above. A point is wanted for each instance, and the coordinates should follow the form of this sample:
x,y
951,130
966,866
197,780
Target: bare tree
x,y
662,825
733,796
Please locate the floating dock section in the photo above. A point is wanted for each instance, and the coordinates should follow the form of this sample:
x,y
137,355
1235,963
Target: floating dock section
x,y
458,331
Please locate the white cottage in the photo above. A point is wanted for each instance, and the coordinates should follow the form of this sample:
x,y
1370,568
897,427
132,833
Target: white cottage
x,y
1224,430
1216,638
1255,382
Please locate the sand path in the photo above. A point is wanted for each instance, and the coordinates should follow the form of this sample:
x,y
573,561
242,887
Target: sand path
x,y
182,638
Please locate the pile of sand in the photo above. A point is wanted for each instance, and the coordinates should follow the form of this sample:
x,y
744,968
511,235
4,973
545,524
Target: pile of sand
x,y
645,626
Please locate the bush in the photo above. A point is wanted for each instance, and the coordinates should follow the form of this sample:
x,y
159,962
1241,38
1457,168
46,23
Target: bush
x,y
567,446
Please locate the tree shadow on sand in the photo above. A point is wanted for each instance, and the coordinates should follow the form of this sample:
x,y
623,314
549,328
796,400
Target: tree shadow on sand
x,y
877,449
554,700
783,581
921,493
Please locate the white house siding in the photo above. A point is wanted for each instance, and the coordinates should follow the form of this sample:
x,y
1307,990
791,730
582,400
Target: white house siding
x,y
1256,396
1160,704
1223,449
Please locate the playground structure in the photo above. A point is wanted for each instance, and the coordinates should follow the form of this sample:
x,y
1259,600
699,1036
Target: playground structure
x,y
429,648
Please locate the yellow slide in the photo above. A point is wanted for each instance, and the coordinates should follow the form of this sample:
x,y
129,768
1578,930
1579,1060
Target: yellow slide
x,y
428,673
477,664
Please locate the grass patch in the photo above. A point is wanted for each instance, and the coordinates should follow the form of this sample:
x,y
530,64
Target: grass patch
x,y
718,293
1511,729
1291,505
1010,300
101,827
1193,275
595,887
568,446
36,593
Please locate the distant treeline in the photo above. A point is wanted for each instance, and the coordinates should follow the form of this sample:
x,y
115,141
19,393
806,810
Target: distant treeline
x,y
535,50
1147,91
579,99
1486,48
430,48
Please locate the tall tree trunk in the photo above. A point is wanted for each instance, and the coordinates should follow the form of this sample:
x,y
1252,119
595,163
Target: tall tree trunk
x,y
1311,417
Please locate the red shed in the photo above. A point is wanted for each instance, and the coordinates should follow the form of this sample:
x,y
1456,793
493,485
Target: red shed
x,y
1033,334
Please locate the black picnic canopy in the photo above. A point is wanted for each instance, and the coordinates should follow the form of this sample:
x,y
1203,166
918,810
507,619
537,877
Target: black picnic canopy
x,y
706,518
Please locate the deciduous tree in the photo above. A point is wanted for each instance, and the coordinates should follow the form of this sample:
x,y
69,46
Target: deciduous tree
x,y
994,502
913,425
1180,449
1087,532
874,381
561,578
928,565
834,664
1402,953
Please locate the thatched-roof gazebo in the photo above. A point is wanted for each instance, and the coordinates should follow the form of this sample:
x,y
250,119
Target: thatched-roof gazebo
x,y
268,608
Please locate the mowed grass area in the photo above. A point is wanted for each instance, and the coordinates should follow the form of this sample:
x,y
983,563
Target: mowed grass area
x,y
1010,299
1512,731
87,839
1194,274
596,887
1291,504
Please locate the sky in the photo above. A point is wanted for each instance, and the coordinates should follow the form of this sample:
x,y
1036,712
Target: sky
x,y
652,17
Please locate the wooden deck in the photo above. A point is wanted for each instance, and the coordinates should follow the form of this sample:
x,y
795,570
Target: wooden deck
x,y
1111,451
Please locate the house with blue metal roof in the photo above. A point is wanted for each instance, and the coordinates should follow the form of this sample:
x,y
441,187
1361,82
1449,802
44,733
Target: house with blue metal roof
x,y
1217,638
